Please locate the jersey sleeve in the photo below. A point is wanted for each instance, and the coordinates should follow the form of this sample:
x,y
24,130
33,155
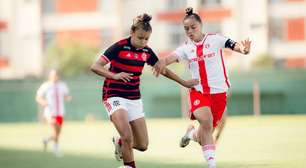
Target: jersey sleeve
x,y
111,53
180,53
65,89
42,90
225,42
152,58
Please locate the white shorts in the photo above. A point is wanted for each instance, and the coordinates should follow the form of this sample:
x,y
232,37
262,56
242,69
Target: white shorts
x,y
133,107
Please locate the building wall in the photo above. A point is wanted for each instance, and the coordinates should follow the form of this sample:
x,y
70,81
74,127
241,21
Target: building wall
x,y
276,27
287,38
21,39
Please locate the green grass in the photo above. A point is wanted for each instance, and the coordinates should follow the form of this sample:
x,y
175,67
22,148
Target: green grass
x,y
247,142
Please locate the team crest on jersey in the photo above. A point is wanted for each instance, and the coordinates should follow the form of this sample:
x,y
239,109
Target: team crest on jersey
x,y
196,102
136,56
116,103
144,56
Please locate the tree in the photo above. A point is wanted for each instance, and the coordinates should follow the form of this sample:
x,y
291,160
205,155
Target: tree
x,y
263,61
71,59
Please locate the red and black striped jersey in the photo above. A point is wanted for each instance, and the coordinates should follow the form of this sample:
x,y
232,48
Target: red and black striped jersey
x,y
124,57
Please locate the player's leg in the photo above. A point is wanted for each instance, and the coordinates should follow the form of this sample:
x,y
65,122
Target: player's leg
x,y
140,134
121,123
138,124
220,127
205,118
219,113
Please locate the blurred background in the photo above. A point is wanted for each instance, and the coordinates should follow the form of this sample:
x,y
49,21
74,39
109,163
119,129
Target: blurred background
x,y
39,35
266,106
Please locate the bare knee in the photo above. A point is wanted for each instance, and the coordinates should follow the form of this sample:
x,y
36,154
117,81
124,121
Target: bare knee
x,y
206,125
127,140
142,147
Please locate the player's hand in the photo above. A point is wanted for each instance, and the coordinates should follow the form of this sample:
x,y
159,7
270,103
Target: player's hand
x,y
44,103
190,83
159,67
245,46
126,77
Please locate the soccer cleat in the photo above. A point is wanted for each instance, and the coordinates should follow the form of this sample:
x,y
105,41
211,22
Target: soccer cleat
x,y
185,139
118,152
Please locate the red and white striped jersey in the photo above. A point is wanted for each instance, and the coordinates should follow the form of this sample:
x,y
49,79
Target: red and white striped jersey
x,y
54,93
206,63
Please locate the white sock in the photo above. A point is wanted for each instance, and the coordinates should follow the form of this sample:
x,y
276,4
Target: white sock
x,y
209,155
47,140
191,134
56,147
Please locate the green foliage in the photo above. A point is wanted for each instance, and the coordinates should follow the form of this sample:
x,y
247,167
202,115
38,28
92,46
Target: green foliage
x,y
263,61
72,59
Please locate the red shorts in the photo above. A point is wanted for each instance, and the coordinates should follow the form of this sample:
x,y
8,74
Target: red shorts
x,y
58,119
216,102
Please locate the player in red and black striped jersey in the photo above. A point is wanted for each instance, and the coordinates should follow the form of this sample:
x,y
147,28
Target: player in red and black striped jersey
x,y
124,57
121,94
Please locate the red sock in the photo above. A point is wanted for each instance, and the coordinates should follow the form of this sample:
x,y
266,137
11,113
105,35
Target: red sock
x,y
120,142
131,164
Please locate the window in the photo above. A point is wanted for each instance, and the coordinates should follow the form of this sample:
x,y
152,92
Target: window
x,y
177,35
48,6
212,27
48,38
106,37
276,29
176,4
210,3
275,1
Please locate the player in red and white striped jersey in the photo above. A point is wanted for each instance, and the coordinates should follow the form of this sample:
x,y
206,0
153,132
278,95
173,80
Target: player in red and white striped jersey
x,y
121,93
51,96
203,52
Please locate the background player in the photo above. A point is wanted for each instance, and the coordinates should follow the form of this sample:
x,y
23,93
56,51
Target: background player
x,y
51,96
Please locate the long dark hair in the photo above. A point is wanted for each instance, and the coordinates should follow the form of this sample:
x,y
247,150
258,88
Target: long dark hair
x,y
143,22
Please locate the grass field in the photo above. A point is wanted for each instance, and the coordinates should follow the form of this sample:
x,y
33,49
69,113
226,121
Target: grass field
x,y
247,142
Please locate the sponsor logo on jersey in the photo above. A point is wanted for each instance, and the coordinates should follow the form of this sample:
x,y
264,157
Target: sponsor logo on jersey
x,y
196,102
201,58
127,47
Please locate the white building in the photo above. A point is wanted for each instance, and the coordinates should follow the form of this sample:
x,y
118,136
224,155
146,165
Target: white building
x,y
276,27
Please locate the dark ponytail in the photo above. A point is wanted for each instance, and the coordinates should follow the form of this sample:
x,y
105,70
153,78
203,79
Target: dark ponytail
x,y
143,22
189,14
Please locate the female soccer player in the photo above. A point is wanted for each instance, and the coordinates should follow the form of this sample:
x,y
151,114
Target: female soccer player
x,y
121,94
203,52
51,96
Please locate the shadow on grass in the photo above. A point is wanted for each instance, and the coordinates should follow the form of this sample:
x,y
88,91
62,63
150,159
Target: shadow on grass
x,y
12,158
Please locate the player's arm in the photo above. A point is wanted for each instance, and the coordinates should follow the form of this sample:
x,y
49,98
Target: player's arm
x,y
160,66
99,68
186,83
68,98
41,101
243,47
